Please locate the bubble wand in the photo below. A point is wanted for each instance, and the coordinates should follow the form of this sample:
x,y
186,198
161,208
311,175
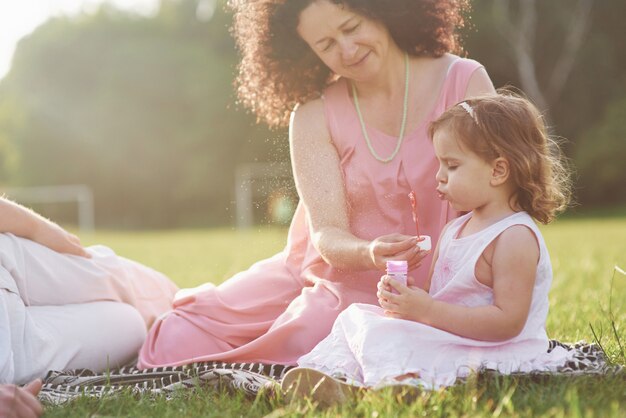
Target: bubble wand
x,y
414,209
423,241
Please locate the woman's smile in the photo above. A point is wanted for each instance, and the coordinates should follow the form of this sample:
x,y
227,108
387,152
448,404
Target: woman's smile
x,y
360,61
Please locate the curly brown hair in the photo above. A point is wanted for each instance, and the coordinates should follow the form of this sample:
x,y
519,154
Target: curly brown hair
x,y
279,70
510,126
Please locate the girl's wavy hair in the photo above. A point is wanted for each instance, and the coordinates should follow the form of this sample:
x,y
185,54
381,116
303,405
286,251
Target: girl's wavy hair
x,y
508,125
279,70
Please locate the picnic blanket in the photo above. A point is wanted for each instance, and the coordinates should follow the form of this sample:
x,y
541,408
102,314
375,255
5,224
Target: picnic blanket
x,y
62,386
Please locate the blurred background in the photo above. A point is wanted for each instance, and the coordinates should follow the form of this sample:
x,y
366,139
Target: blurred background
x,y
122,114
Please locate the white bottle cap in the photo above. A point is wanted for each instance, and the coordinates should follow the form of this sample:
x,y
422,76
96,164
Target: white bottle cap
x,y
424,244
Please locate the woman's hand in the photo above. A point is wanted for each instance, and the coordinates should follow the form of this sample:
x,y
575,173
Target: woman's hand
x,y
395,247
411,302
20,402
56,238
25,223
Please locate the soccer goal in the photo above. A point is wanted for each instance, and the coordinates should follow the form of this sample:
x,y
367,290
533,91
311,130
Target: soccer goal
x,y
80,194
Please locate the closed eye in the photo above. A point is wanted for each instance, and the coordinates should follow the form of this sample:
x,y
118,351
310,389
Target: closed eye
x,y
328,46
353,28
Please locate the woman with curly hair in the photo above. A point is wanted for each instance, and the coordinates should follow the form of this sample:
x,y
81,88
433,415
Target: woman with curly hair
x,y
361,79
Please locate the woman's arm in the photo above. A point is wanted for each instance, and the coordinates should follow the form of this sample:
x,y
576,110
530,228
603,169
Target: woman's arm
x,y
320,185
514,266
25,223
18,220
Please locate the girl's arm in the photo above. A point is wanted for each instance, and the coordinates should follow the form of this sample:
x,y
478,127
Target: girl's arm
x,y
320,184
514,266
435,258
25,223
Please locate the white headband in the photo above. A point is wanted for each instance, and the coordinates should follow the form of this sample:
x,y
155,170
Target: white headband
x,y
469,110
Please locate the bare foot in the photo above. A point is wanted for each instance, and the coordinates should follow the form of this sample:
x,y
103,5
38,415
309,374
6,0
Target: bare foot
x,y
301,382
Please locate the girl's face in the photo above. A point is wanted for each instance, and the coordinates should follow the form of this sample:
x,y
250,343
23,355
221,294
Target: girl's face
x,y
464,178
350,44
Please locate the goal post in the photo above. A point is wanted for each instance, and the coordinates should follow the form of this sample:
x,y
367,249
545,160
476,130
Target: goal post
x,y
81,194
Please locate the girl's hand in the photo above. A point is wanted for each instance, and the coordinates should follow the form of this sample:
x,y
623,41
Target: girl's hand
x,y
382,286
395,247
56,238
411,303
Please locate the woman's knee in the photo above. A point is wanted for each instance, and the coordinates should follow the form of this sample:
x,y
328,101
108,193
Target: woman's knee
x,y
129,316
109,335
125,325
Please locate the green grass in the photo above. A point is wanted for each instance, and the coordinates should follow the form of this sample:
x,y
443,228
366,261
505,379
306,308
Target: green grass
x,y
193,257
586,290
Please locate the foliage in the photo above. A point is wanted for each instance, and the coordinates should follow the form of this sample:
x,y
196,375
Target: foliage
x,y
142,109
601,158
10,119
598,66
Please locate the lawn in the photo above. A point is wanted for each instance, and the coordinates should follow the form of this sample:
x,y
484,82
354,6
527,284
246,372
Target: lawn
x,y
587,292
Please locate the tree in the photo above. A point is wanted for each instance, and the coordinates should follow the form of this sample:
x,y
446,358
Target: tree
x,y
140,109
520,33
10,123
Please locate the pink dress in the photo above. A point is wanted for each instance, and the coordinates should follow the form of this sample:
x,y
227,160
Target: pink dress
x,y
282,307
369,348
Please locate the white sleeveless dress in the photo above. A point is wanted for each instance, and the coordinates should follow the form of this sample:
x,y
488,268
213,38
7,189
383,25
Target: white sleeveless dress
x,y
368,348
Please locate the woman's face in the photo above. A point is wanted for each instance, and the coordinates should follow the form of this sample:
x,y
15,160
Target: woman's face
x,y
350,44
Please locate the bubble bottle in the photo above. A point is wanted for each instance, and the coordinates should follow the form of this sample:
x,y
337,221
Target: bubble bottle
x,y
397,270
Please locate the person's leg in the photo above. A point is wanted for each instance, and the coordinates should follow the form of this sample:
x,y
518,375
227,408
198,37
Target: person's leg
x,y
44,277
7,367
96,335
301,383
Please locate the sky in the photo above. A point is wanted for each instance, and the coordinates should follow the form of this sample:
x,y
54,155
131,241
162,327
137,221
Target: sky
x,y
19,18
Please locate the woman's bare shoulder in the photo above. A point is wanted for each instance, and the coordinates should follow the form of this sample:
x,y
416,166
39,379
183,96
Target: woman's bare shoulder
x,y
312,108
308,119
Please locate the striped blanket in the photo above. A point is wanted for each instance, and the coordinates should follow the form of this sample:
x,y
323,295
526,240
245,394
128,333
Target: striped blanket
x,y
62,386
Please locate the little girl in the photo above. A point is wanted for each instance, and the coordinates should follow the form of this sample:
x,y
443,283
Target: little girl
x,y
486,300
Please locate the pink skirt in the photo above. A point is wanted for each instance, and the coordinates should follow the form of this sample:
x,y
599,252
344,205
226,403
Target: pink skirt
x,y
265,314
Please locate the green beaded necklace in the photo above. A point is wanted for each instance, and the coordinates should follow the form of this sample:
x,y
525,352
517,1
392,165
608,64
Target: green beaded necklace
x,y
404,113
